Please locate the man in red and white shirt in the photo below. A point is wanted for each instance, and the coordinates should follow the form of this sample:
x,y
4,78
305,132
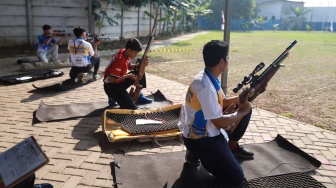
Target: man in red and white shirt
x,y
117,80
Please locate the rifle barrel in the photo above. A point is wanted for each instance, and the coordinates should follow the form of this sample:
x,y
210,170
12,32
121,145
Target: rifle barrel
x,y
277,61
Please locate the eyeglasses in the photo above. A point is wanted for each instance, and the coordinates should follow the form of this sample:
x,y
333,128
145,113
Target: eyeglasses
x,y
227,58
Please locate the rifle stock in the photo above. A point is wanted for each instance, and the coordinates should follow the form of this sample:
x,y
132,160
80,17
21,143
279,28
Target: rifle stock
x,y
135,91
258,83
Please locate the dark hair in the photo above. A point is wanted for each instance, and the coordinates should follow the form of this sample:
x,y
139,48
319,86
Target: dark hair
x,y
78,31
214,51
134,44
46,27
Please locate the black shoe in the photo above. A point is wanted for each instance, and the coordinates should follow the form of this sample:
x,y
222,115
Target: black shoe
x,y
191,158
240,151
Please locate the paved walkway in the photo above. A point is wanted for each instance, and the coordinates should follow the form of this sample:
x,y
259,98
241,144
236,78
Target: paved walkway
x,y
80,154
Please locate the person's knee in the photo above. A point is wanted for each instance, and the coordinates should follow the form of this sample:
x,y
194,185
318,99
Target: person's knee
x,y
42,57
234,178
238,179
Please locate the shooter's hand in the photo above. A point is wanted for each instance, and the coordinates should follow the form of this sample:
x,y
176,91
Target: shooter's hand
x,y
132,76
146,61
244,106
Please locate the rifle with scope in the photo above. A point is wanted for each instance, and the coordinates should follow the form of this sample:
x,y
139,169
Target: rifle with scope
x,y
258,82
92,37
61,33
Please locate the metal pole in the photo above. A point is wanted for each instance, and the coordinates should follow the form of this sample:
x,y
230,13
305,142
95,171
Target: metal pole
x,y
150,19
227,28
138,25
30,23
122,23
91,21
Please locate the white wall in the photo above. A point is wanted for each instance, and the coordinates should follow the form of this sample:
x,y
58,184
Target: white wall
x,y
13,22
270,9
129,24
21,21
321,14
286,10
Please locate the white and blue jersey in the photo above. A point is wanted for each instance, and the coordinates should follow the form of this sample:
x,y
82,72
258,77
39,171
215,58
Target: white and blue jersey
x,y
41,47
204,101
80,52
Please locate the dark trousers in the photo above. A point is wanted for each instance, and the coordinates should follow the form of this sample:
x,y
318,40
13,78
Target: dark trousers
x,y
95,62
27,183
118,92
216,156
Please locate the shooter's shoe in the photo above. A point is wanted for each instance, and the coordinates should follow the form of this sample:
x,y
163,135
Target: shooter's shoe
x,y
57,61
43,185
80,77
96,77
191,158
143,100
112,103
240,151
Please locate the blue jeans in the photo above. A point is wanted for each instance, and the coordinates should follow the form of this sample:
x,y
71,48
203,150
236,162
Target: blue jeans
x,y
53,50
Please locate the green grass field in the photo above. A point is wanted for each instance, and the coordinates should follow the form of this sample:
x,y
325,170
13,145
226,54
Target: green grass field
x,y
305,89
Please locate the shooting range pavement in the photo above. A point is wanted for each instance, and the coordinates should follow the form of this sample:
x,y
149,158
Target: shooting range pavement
x,y
80,154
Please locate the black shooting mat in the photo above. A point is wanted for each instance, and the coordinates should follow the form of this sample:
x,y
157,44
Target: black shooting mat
x,y
46,112
274,158
169,120
297,179
61,85
285,157
30,76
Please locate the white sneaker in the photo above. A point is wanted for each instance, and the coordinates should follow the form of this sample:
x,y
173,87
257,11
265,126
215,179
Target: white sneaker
x,y
96,77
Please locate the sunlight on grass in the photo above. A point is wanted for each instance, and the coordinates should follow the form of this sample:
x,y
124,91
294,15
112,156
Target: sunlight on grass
x,y
307,79
286,114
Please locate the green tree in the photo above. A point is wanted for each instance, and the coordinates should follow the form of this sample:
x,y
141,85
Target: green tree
x,y
197,8
241,9
298,17
259,22
184,11
102,7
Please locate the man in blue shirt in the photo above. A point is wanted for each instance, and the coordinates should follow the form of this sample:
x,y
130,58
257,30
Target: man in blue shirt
x,y
48,45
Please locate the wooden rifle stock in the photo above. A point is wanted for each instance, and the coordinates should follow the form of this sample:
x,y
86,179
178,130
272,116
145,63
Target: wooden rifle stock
x,y
258,83
135,93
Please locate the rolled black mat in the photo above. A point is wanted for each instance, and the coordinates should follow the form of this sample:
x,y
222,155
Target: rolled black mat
x,y
170,170
30,76
26,60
